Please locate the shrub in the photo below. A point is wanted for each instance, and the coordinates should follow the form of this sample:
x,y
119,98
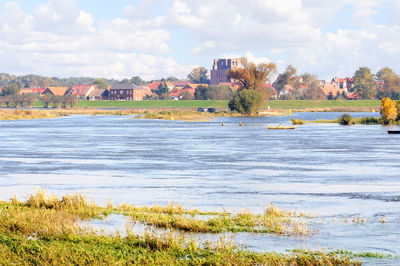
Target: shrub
x,y
388,111
297,121
346,120
370,121
246,102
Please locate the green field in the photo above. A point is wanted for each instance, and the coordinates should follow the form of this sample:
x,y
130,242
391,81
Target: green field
x,y
279,104
295,104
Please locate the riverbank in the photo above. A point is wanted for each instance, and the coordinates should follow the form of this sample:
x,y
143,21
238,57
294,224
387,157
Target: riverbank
x,y
157,113
328,105
44,229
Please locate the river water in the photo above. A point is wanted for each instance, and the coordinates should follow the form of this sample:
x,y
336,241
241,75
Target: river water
x,y
334,172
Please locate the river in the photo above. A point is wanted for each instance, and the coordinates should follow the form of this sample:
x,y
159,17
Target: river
x,y
334,172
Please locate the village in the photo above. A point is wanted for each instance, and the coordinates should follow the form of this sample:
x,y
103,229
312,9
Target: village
x,y
126,90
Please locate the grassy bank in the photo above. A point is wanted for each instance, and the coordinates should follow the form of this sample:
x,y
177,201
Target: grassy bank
x,y
19,114
44,230
353,121
191,104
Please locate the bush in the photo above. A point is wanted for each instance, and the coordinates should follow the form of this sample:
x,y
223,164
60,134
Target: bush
x,y
297,121
246,102
346,120
388,111
371,121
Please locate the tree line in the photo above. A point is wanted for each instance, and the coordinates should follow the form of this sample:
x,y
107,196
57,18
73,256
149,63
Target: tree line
x,y
48,100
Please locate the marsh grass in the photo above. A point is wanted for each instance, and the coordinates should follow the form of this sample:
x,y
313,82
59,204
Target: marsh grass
x,y
17,114
352,121
274,220
297,121
43,230
184,115
75,204
20,114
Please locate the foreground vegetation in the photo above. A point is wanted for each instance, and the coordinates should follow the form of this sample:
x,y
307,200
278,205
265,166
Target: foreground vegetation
x,y
44,230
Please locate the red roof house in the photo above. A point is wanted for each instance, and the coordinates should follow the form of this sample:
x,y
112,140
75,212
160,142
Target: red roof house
x,y
80,91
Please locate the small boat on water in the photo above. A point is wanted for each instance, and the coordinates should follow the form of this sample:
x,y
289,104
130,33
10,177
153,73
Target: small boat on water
x,y
282,127
393,131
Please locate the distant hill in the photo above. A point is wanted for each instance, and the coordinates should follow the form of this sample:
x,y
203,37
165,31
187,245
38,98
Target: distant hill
x,y
28,81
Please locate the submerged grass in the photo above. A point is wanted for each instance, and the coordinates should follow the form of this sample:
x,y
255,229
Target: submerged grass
x,y
297,121
353,121
274,220
19,114
184,115
43,230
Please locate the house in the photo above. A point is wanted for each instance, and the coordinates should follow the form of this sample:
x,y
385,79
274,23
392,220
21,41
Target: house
x,y
153,85
41,91
25,92
287,89
142,92
58,91
177,92
98,94
334,88
80,91
344,83
180,83
34,91
353,96
128,91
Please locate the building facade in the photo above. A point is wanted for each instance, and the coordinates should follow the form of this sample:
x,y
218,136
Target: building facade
x,y
220,67
127,91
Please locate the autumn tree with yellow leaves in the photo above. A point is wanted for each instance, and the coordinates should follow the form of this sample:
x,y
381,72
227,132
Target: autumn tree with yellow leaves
x,y
388,111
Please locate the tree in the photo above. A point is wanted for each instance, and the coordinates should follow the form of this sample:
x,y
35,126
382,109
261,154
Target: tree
x,y
391,83
137,81
286,78
70,100
200,93
186,95
47,99
246,102
162,91
388,111
213,92
198,75
101,84
222,92
253,76
172,79
364,83
11,89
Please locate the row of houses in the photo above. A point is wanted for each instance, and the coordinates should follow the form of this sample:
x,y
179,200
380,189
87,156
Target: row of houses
x,y
119,91
128,91
80,91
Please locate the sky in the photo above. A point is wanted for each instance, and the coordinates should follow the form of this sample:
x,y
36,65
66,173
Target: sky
x,y
161,38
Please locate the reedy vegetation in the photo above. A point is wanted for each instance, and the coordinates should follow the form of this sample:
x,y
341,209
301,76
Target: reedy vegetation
x,y
44,230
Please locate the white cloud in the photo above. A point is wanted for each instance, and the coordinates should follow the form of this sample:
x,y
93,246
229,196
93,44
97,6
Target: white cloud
x,y
58,38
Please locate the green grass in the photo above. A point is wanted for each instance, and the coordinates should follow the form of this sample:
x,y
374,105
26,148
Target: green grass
x,y
153,104
353,121
297,104
43,230
279,104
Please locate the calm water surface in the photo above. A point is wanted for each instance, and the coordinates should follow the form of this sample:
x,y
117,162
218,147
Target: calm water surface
x,y
331,171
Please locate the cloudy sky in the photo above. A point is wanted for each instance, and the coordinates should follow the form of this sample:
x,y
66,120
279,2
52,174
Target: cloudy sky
x,y
160,38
